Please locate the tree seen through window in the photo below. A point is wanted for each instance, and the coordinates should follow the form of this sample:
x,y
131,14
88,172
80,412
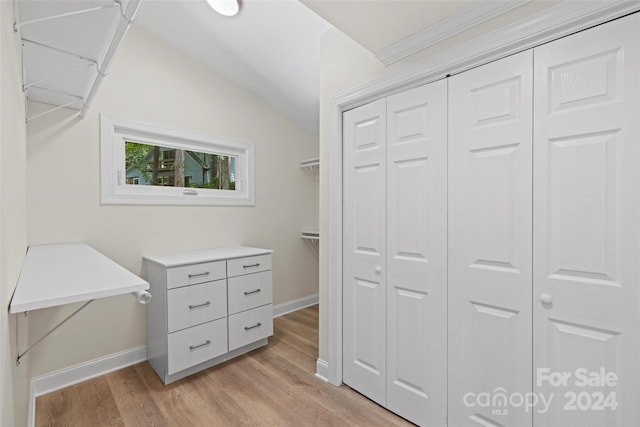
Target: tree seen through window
x,y
165,166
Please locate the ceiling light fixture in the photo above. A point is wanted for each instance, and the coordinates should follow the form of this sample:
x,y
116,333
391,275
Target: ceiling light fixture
x,y
225,7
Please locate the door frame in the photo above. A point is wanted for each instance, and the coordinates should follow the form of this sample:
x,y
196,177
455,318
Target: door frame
x,y
552,23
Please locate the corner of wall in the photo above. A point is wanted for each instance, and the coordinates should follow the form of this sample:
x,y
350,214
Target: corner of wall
x,y
14,380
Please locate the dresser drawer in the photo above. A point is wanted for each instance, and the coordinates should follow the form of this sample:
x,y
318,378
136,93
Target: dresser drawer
x,y
249,291
250,326
253,264
196,304
192,346
196,273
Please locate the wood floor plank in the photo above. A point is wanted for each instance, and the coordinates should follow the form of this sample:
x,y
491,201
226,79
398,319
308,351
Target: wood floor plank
x,y
353,408
307,393
288,394
135,405
306,331
308,317
306,347
260,403
274,385
223,410
89,403
179,403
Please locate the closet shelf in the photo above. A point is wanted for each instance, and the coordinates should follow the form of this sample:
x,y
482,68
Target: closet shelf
x,y
312,164
310,235
68,48
60,274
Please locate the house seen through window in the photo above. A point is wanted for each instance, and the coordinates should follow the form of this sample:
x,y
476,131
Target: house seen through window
x,y
171,167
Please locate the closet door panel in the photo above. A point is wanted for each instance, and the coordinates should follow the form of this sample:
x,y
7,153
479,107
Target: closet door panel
x,y
364,288
416,254
587,221
490,238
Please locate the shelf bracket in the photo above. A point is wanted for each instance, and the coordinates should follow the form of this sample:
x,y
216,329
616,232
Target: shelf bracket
x,y
59,107
78,99
55,76
50,332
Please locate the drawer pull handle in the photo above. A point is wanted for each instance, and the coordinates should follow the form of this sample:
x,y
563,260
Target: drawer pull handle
x,y
253,292
257,264
257,325
206,273
204,304
193,347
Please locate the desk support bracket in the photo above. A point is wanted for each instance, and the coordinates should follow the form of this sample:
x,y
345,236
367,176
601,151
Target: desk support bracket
x,y
50,332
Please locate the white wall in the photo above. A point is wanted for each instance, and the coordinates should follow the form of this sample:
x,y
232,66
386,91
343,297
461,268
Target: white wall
x,y
151,81
13,235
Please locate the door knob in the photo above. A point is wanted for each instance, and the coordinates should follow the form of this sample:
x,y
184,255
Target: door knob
x,y
378,270
545,299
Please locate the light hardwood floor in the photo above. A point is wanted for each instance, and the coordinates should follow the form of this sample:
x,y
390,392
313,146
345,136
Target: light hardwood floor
x,y
272,386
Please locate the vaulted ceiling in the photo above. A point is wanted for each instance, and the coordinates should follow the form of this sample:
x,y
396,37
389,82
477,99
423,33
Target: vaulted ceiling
x,y
272,47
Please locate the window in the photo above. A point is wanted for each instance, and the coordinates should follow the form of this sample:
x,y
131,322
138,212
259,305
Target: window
x,y
150,164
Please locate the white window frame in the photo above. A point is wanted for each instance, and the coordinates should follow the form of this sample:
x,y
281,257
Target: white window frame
x,y
115,131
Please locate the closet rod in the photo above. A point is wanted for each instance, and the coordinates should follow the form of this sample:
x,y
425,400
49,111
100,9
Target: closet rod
x,y
127,17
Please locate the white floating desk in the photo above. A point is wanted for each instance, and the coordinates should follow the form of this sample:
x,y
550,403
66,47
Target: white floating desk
x,y
66,273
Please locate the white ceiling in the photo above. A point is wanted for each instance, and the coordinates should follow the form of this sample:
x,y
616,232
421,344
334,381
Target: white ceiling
x,y
271,48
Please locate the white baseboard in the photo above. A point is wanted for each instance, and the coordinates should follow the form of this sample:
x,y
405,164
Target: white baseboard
x,y
295,305
66,377
322,370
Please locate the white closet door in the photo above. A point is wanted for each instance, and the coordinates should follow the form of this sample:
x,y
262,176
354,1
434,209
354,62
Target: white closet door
x,y
417,254
364,240
587,222
490,196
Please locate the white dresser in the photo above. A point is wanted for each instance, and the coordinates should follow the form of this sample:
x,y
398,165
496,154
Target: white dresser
x,y
208,306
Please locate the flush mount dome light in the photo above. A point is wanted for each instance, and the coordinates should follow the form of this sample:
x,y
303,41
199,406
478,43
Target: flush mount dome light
x,y
225,7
